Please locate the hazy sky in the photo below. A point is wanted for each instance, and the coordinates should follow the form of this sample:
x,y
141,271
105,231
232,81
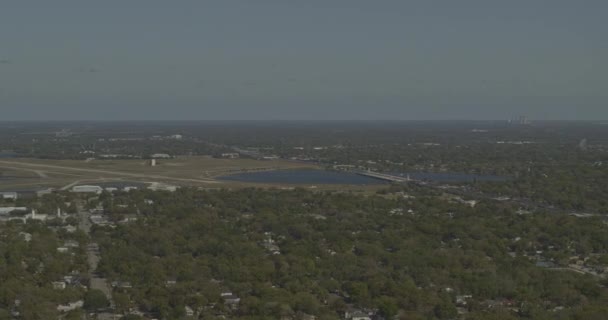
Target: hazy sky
x,y
303,59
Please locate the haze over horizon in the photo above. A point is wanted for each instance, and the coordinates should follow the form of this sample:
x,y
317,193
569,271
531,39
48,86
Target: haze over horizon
x,y
312,60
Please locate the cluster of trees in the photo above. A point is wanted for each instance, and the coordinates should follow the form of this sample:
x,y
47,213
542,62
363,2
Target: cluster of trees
x,y
579,187
399,257
30,262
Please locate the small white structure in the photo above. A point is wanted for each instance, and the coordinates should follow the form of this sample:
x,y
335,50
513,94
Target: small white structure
x,y
27,237
157,186
70,306
8,195
152,162
160,156
231,300
71,244
63,249
60,214
470,203
99,219
189,311
37,216
7,210
59,285
87,189
230,155
129,188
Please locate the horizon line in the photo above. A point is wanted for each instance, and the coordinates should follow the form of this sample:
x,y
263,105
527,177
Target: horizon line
x,y
299,120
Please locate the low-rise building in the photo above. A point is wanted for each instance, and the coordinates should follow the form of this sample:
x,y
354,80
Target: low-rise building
x,y
70,306
27,237
189,311
99,220
160,156
8,195
71,244
230,155
59,285
87,189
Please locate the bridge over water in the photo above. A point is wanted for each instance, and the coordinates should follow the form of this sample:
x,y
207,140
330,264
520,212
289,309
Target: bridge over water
x,y
384,176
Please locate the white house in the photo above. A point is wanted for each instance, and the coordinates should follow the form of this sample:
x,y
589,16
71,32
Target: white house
x,y
58,285
70,306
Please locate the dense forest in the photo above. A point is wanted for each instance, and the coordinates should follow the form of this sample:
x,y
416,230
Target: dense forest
x,y
294,253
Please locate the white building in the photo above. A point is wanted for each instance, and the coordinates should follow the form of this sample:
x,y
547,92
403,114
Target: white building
x,y
63,249
7,210
27,237
231,300
87,189
160,156
157,186
58,285
230,155
8,195
189,311
70,306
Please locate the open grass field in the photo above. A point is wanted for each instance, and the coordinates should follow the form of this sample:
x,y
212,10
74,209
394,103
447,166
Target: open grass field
x,y
195,171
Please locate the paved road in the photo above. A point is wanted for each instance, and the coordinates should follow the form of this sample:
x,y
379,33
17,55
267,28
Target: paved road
x,y
93,258
69,186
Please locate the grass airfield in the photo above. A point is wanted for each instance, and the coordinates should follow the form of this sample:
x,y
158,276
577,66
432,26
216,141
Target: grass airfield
x,y
24,174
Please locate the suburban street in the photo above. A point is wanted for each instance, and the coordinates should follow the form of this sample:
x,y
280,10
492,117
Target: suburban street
x,y
93,258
